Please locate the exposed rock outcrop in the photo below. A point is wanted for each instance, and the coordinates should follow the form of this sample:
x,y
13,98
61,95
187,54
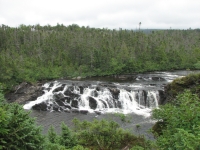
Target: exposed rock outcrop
x,y
25,92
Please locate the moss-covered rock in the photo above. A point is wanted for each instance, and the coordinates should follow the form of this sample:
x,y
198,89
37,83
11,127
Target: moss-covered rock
x,y
191,82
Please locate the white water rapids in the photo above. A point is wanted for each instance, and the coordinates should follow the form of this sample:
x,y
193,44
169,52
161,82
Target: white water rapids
x,y
139,96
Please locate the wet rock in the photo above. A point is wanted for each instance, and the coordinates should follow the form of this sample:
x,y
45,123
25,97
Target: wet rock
x,y
92,103
75,110
81,89
68,100
83,111
97,112
104,103
115,92
158,79
51,84
95,93
61,88
42,106
145,97
111,85
68,106
162,99
67,110
74,103
119,104
56,107
98,88
58,96
69,93
60,103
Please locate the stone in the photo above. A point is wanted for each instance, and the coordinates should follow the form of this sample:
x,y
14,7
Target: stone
x,y
25,92
84,111
42,106
74,103
61,88
92,103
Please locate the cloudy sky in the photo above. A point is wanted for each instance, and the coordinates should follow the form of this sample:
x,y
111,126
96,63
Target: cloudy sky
x,y
112,14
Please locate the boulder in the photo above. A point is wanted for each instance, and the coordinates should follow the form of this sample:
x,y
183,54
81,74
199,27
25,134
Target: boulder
x,y
25,92
115,92
83,111
59,96
75,110
56,107
61,88
92,103
74,103
104,103
162,99
158,79
42,106
97,112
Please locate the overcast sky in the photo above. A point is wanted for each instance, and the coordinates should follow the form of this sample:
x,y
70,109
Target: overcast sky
x,y
112,14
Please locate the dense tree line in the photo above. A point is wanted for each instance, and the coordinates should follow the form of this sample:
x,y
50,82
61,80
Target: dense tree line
x,y
37,52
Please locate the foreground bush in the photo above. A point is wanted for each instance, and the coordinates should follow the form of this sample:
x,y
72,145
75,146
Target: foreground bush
x,y
17,130
179,123
106,135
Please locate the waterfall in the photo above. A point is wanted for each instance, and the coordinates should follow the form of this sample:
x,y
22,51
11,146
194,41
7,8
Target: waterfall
x,y
103,98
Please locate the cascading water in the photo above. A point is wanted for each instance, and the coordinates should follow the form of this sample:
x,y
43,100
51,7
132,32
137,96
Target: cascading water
x,y
99,98
139,96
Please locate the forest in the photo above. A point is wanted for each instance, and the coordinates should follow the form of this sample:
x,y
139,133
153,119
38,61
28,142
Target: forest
x,y
33,53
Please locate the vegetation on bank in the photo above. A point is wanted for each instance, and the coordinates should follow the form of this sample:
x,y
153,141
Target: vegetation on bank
x,y
190,82
178,125
178,121
32,53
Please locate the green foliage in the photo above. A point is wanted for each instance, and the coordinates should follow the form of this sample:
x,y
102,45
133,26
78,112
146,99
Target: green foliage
x,y
67,138
54,146
124,118
49,52
78,147
105,135
18,130
2,99
197,65
191,81
182,123
52,135
137,148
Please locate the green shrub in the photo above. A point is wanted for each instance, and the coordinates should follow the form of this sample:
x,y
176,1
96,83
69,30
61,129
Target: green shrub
x,y
181,121
18,130
105,135
52,135
67,138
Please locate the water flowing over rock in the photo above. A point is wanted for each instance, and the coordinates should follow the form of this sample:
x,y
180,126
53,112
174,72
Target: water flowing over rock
x,y
129,93
95,97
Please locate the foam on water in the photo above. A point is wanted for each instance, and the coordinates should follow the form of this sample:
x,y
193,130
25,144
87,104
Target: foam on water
x,y
139,96
125,102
